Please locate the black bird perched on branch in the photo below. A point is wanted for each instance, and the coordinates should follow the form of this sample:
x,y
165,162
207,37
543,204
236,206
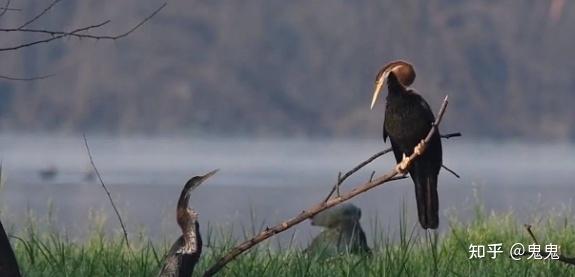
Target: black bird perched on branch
x,y
185,252
408,119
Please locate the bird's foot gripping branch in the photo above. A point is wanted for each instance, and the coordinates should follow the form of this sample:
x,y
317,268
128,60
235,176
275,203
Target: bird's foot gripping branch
x,y
329,202
406,161
420,148
402,167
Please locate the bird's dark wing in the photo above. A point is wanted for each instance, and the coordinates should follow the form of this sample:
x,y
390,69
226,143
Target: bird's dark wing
x,y
384,133
428,113
172,260
433,154
425,169
397,151
384,119
178,264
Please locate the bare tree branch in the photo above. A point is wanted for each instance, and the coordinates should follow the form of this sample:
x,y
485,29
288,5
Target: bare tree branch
x,y
137,25
373,158
562,258
4,77
451,135
10,9
355,169
107,193
269,232
338,183
450,171
40,14
5,8
53,37
77,33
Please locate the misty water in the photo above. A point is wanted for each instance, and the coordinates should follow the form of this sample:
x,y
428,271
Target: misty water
x,y
262,181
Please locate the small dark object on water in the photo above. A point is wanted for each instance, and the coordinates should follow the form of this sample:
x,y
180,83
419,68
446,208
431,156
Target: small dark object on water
x,y
89,175
48,173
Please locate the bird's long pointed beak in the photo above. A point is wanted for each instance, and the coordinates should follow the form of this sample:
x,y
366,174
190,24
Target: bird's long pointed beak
x,y
376,92
209,174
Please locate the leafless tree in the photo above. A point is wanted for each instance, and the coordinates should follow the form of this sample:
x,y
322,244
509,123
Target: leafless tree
x,y
50,35
8,263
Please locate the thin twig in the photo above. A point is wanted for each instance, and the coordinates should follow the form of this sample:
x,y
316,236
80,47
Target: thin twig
x,y
450,171
528,227
5,8
4,77
54,37
77,33
10,9
40,14
269,232
355,169
562,258
137,25
107,192
371,176
338,183
451,135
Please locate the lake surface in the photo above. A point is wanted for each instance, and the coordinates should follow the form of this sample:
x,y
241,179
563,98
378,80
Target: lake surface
x,y
262,181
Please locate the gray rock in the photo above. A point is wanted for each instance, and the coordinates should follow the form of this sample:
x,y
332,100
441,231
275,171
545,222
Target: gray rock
x,y
343,233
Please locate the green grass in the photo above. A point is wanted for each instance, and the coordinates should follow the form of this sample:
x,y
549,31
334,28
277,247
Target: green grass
x,y
413,252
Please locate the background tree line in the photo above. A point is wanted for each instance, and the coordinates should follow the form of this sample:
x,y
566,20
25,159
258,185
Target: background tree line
x,y
297,68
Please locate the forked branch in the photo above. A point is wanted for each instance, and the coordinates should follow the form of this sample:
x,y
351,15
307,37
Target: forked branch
x,y
5,8
269,232
53,35
9,78
340,180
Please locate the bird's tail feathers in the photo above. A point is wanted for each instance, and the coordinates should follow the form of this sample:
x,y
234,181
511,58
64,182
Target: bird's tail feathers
x,y
427,200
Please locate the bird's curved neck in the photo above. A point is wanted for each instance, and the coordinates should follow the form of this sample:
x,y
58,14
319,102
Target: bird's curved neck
x,y
183,214
394,86
184,200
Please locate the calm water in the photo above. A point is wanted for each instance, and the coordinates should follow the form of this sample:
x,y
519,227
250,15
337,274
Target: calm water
x,y
261,181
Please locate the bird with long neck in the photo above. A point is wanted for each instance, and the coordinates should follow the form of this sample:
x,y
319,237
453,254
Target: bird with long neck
x,y
185,252
408,119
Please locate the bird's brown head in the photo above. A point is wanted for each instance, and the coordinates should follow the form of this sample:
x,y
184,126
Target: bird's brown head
x,y
193,183
402,70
